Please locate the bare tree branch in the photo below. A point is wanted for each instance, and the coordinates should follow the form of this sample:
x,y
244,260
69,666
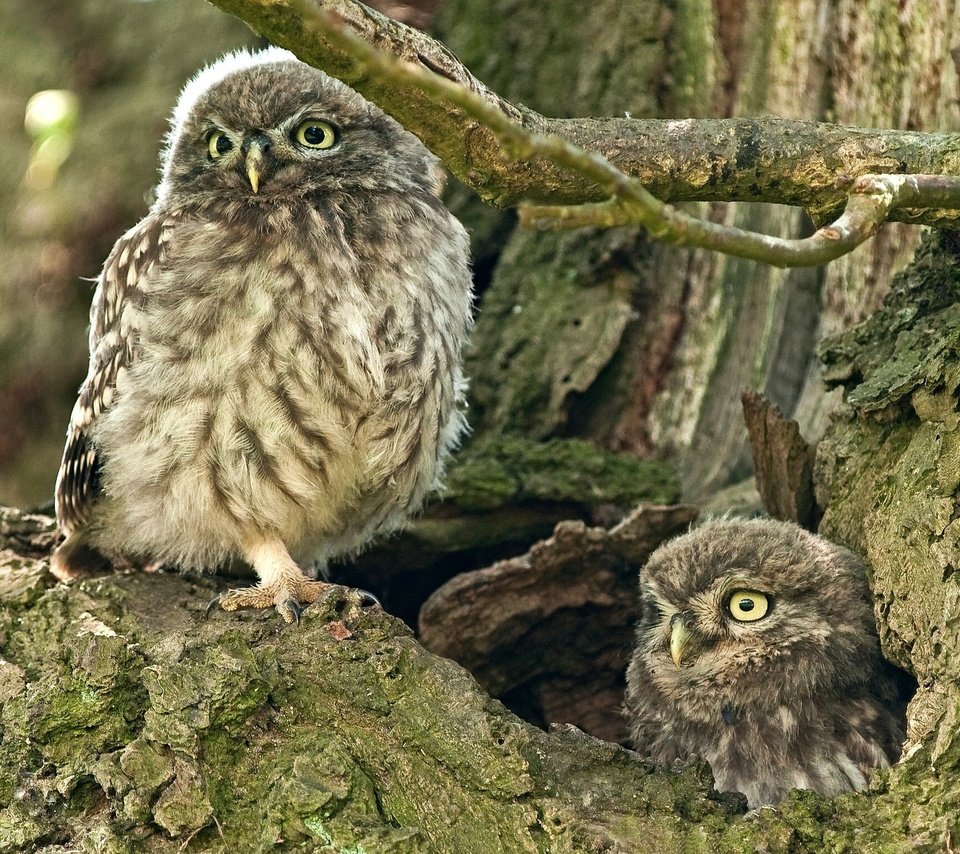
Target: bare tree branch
x,y
373,53
872,201
807,164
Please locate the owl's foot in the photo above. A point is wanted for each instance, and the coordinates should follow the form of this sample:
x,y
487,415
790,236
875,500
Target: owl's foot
x,y
282,585
288,595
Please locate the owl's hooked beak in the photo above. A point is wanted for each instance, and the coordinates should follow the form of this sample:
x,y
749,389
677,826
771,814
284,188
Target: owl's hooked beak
x,y
685,641
254,148
254,164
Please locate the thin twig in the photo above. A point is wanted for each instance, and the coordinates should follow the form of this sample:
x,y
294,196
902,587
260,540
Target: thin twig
x,y
870,201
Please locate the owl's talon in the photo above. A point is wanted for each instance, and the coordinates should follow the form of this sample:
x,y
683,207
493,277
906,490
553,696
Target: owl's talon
x,y
288,591
292,607
368,599
211,605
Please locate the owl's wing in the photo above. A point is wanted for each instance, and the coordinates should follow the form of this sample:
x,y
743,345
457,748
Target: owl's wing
x,y
113,347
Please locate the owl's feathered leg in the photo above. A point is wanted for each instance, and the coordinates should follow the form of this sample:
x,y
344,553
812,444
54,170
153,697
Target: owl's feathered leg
x,y
282,584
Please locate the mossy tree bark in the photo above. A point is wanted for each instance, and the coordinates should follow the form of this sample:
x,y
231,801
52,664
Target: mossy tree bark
x,y
643,348
128,723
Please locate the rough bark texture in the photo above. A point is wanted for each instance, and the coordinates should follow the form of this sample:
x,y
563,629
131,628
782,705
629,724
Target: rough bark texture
x,y
131,724
782,462
887,475
643,348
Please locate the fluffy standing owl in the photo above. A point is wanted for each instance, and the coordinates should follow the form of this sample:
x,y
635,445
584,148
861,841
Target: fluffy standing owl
x,y
275,349
757,650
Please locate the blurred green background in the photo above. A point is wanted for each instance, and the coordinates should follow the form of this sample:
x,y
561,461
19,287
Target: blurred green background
x,y
73,178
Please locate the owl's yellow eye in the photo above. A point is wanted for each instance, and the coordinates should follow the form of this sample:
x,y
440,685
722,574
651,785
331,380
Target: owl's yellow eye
x,y
314,133
218,144
748,606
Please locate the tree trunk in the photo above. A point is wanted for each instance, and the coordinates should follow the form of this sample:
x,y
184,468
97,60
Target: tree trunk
x,y
644,348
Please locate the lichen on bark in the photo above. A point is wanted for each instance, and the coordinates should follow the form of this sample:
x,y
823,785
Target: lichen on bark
x,y
130,723
888,473
508,470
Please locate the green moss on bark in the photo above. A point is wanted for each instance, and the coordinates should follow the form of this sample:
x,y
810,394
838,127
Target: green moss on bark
x,y
166,730
889,478
511,470
343,734
550,323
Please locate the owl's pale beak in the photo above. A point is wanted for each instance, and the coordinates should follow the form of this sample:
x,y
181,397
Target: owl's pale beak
x,y
254,148
685,641
254,164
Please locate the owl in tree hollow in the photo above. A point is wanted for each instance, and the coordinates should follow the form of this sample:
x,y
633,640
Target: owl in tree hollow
x,y
275,349
757,650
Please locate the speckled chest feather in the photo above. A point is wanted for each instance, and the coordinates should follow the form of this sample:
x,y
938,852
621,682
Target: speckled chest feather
x,y
288,383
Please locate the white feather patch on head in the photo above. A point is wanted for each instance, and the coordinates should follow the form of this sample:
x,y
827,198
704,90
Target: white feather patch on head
x,y
216,71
